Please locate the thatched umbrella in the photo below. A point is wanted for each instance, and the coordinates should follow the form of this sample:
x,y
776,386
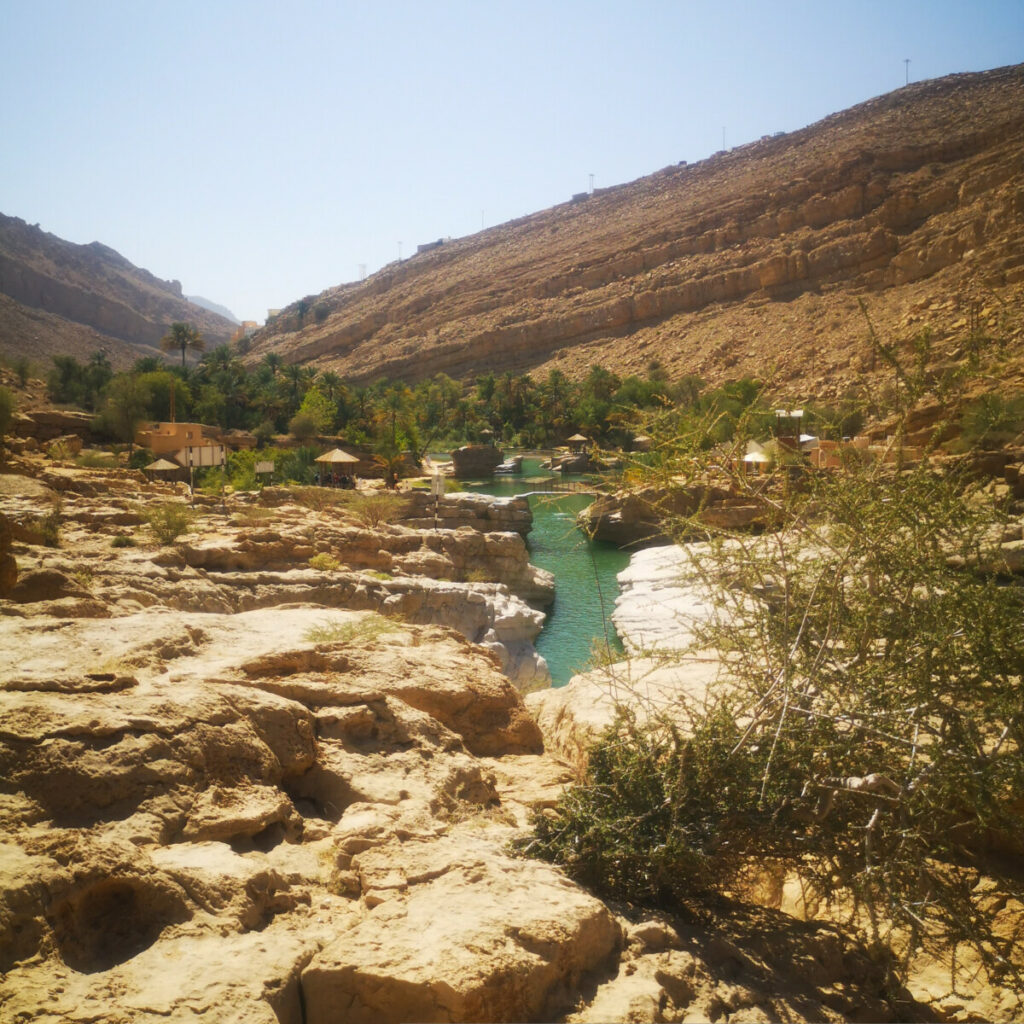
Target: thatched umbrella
x,y
336,459
162,469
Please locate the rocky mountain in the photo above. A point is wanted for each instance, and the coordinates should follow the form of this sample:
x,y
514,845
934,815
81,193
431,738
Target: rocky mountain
x,y
213,307
56,296
757,260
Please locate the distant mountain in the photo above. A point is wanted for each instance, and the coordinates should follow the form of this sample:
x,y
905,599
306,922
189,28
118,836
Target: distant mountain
x,y
214,307
767,259
92,288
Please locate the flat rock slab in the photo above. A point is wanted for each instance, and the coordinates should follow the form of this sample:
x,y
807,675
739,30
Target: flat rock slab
x,y
463,933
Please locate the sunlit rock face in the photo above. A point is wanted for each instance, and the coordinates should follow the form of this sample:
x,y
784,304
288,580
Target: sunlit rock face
x,y
238,784
752,262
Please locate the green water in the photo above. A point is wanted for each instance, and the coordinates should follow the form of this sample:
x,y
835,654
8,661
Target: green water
x,y
585,573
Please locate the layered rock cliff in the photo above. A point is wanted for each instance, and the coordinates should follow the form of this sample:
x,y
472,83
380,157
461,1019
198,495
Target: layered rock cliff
x,y
91,288
755,260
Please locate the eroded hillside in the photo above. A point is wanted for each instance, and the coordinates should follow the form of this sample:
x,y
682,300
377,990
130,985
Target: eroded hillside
x,y
62,298
756,260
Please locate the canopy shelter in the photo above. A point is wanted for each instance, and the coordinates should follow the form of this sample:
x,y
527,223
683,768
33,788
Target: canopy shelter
x,y
164,469
576,442
337,457
337,466
756,457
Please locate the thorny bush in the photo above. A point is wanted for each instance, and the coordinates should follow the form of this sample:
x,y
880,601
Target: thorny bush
x,y
867,729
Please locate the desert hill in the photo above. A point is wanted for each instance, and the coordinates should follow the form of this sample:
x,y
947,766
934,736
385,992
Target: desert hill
x,y
59,297
754,261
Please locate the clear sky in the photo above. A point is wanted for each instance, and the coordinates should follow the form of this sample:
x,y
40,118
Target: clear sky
x,y
262,150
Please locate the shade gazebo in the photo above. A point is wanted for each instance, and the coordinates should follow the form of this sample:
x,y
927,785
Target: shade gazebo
x,y
336,461
163,469
578,442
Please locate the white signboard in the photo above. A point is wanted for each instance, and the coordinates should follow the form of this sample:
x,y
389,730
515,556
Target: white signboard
x,y
202,455
437,485
264,467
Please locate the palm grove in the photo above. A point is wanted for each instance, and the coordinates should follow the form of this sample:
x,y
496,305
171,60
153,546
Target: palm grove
x,y
275,398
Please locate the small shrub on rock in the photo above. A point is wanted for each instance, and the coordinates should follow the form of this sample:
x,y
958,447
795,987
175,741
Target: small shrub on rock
x,y
169,521
324,562
377,509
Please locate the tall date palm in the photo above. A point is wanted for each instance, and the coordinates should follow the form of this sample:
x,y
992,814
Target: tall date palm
x,y
184,337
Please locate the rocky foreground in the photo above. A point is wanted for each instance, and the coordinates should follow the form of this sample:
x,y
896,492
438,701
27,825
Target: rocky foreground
x,y
239,788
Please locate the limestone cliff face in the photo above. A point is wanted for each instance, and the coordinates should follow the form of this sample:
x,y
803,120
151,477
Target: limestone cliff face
x,y
753,260
94,286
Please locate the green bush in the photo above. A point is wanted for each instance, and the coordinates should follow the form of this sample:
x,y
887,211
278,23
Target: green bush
x,y
992,420
644,825
7,408
367,627
49,526
376,508
265,432
90,459
302,427
140,458
867,730
169,521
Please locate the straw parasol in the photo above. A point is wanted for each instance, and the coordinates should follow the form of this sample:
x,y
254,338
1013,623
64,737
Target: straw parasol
x,y
337,457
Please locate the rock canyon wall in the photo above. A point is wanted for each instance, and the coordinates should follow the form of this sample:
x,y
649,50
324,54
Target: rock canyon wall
x,y
90,296
754,261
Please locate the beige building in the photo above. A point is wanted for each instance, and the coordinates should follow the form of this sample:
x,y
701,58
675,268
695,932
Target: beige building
x,y
170,438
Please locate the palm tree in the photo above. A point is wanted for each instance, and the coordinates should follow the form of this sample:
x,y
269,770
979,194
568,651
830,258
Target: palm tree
x,y
182,336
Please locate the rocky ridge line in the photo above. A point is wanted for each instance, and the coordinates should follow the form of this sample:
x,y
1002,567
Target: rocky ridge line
x,y
93,287
751,261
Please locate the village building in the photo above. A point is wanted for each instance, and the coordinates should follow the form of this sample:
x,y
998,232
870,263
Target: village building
x,y
168,439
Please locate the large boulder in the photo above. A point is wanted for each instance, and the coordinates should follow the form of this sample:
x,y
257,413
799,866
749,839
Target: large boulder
x,y
473,461
460,933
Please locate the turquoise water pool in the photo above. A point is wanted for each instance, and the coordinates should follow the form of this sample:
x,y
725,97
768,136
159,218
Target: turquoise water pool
x,y
585,573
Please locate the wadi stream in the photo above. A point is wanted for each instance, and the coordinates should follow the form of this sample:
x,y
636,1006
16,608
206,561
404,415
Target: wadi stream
x,y
585,571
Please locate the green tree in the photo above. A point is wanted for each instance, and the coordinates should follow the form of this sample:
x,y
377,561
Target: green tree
x,y
160,383
211,406
127,403
74,383
182,337
320,409
297,379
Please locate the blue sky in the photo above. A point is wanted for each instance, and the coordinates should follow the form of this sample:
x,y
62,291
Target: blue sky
x,y
260,151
